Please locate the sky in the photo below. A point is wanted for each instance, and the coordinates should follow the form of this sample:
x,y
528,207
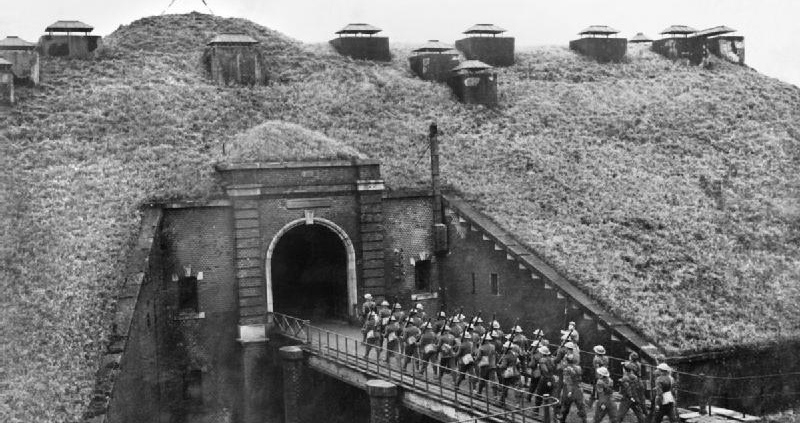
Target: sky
x,y
769,26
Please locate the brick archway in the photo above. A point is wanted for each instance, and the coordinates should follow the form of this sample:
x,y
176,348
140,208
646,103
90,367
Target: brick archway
x,y
352,295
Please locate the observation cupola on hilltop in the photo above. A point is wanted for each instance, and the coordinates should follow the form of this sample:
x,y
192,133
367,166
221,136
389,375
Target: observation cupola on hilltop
x,y
234,59
23,57
640,38
474,82
683,42
72,40
433,61
597,43
358,41
482,43
6,83
721,43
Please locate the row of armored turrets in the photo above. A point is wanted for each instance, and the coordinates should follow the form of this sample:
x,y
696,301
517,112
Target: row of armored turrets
x,y
232,59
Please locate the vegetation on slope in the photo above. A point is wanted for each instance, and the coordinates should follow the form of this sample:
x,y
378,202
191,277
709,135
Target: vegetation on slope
x,y
670,193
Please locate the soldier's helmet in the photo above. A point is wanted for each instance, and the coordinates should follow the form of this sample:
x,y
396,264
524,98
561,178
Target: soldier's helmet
x,y
446,328
634,356
569,345
545,343
384,303
442,314
602,371
599,349
367,296
392,319
487,337
507,344
538,332
495,324
664,367
544,350
397,306
479,320
517,329
419,306
572,359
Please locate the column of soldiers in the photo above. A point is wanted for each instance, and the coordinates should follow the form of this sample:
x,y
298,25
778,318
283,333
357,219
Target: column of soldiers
x,y
511,360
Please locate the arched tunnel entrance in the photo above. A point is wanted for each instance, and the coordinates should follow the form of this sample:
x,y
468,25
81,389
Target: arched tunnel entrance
x,y
309,277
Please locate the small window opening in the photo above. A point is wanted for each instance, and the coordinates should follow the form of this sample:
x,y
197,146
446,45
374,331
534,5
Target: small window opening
x,y
473,282
422,275
495,284
187,300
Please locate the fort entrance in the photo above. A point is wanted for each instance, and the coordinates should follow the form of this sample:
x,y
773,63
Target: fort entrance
x,y
307,271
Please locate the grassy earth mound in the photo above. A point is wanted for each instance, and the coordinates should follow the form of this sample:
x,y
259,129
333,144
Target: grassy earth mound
x,y
669,193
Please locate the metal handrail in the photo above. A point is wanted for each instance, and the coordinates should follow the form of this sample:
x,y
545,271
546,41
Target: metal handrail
x,y
301,330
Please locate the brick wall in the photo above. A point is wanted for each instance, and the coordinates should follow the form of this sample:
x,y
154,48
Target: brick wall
x,y
407,221
529,289
199,240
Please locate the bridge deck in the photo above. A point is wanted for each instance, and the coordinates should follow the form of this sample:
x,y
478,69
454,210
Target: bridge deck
x,y
335,348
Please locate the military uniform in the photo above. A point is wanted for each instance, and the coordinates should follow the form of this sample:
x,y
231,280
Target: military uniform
x,y
605,403
665,399
465,359
411,336
546,382
571,392
632,392
372,334
598,361
486,358
447,345
427,347
392,333
509,372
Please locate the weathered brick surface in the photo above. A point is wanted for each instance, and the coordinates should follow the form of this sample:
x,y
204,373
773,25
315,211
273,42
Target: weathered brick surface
x,y
408,222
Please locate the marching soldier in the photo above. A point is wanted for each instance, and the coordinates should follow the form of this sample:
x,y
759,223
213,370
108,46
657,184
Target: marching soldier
x,y
571,392
605,391
384,312
487,362
457,328
372,335
632,392
441,320
547,368
571,334
536,353
421,311
415,318
478,329
447,344
599,360
427,344
411,335
366,308
521,344
464,358
664,396
497,335
398,313
392,334
507,369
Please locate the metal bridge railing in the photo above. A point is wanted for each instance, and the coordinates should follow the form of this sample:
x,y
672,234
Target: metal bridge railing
x,y
354,353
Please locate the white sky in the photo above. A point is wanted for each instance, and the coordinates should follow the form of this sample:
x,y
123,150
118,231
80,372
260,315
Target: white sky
x,y
770,26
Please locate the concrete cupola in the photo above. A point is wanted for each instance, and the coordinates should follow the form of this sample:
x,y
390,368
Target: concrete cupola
x,y
722,42
358,41
6,83
23,57
234,59
474,82
433,60
69,39
597,42
483,43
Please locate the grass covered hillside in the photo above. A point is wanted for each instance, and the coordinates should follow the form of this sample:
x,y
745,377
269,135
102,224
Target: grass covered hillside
x,y
669,193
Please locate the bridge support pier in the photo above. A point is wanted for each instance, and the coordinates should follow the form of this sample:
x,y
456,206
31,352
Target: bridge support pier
x,y
254,361
292,357
383,402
